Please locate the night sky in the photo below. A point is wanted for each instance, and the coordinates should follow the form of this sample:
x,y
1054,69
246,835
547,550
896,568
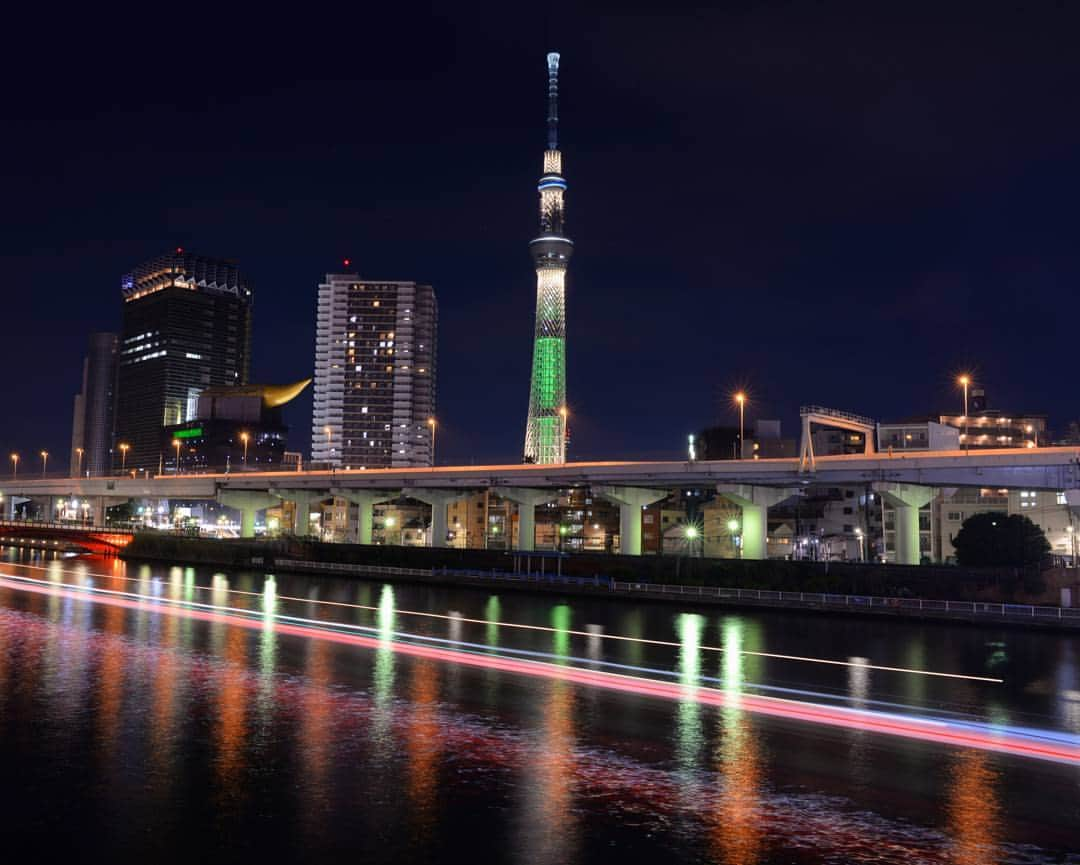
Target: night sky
x,y
824,203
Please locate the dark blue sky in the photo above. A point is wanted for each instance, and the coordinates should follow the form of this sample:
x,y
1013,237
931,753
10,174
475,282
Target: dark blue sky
x,y
824,203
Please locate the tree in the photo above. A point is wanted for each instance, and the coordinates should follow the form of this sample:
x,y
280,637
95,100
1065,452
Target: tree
x,y
994,539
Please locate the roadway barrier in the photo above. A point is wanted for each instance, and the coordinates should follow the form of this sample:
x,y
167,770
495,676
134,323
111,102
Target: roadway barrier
x,y
976,610
980,609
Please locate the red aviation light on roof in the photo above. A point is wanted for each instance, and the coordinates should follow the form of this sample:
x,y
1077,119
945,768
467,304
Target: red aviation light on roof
x,y
347,262
179,250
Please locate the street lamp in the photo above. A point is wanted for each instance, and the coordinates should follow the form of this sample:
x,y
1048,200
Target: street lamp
x,y
964,381
690,533
44,462
14,465
431,423
1035,433
862,549
124,448
733,528
244,438
564,412
176,444
740,400
79,454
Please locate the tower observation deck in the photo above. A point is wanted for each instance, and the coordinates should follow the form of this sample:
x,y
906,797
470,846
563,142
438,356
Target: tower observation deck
x,y
545,431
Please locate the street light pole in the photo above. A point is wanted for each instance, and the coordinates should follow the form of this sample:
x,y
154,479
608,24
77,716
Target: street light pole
x,y
15,465
79,454
740,399
176,444
431,423
965,380
123,456
244,439
733,528
44,462
563,412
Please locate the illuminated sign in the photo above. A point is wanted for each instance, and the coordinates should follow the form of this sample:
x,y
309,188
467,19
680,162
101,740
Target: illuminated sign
x,y
193,433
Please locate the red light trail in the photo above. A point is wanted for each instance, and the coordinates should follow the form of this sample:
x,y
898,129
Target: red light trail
x,y
1054,747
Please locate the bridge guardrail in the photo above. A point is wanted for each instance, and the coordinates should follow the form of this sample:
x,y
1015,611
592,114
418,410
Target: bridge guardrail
x,y
73,526
990,609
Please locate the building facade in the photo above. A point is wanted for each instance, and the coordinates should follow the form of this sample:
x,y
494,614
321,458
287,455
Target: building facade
x,y
95,409
917,436
235,429
985,427
375,363
186,327
997,429
545,426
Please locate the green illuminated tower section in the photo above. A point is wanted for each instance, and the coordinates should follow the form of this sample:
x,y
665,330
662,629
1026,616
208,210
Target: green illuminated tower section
x,y
545,431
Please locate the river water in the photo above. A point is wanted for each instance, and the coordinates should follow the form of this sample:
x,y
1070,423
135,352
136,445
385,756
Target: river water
x,y
203,734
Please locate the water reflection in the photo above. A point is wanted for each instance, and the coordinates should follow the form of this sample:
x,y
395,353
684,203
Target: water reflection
x,y
315,736
560,622
736,827
423,745
858,693
549,833
973,809
493,614
381,718
231,730
549,829
345,746
690,739
168,690
110,677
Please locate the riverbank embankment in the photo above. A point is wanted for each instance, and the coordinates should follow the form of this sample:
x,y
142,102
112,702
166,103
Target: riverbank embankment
x,y
925,592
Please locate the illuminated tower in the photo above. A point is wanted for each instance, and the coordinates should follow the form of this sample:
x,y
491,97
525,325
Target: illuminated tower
x,y
545,432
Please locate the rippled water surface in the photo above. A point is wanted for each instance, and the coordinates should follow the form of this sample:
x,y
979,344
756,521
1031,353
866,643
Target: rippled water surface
x,y
130,733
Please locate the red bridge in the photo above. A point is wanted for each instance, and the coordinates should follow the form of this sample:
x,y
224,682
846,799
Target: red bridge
x,y
94,539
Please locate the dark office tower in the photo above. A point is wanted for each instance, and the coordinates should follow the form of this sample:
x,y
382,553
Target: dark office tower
x,y
374,373
92,420
187,327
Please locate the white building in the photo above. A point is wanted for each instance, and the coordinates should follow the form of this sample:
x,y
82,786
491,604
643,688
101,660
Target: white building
x,y
374,398
1048,510
917,436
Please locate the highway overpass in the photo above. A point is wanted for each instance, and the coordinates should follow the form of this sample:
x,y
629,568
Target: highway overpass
x,y
906,480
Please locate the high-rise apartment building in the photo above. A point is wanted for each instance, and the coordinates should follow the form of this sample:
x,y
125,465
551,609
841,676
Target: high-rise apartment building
x,y
92,419
374,401
186,327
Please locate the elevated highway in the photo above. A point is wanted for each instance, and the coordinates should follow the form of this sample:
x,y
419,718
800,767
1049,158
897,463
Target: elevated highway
x,y
905,479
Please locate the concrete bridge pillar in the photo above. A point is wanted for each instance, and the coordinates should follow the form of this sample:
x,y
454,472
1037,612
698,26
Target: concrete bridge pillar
x,y
249,503
527,502
755,503
906,499
365,501
630,501
438,499
302,501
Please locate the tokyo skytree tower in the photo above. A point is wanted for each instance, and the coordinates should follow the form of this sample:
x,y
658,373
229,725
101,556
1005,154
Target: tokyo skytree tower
x,y
545,431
